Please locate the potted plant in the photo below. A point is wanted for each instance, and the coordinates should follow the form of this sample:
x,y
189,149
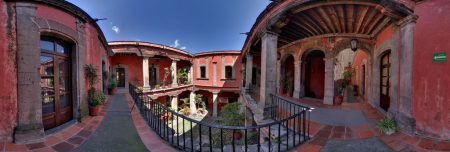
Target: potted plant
x,y
112,86
339,89
94,98
387,126
95,102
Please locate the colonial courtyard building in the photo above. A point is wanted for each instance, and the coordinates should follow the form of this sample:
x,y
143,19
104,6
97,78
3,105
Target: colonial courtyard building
x,y
381,58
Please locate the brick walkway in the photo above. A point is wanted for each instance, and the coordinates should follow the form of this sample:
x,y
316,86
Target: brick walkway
x,y
64,140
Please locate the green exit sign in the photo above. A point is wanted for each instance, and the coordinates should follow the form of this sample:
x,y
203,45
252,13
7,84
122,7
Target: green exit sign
x,y
440,57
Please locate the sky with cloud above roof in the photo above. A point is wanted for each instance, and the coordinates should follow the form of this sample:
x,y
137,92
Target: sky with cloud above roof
x,y
191,25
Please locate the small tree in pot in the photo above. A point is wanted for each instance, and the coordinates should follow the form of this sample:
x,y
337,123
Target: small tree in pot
x,y
94,98
339,90
112,84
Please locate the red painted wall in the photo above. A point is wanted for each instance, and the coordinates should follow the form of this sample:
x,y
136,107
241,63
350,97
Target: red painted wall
x,y
384,35
228,59
48,12
431,80
8,71
134,64
357,65
163,63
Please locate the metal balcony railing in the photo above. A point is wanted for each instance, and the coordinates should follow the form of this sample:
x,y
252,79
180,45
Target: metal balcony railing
x,y
287,128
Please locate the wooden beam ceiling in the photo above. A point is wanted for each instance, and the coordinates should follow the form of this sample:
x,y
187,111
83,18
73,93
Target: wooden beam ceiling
x,y
333,19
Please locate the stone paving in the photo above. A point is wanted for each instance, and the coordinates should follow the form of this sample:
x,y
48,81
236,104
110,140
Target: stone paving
x,y
116,132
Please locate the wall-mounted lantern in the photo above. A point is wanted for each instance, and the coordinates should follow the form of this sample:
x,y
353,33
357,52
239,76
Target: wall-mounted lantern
x,y
354,45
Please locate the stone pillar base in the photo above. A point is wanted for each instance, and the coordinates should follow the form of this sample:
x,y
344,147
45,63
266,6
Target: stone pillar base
x,y
328,100
296,94
405,123
29,133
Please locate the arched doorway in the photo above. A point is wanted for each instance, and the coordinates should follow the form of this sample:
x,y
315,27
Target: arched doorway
x,y
56,82
314,78
385,84
287,73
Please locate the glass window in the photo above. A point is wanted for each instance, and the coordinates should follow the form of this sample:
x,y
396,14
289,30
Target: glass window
x,y
228,72
46,68
202,72
47,45
60,49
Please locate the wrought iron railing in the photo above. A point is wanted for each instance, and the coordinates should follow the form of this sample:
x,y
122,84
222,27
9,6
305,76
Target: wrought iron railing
x,y
287,129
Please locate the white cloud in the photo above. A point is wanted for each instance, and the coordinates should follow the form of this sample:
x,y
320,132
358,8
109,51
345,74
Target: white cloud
x,y
177,44
116,29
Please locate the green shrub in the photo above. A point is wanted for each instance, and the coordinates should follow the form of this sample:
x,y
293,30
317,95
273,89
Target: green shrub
x,y
113,83
231,115
96,97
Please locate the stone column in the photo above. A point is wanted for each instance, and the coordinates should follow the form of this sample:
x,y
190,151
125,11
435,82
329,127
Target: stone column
x,y
268,68
214,73
406,35
215,103
329,81
173,68
248,72
192,103
278,76
145,72
190,77
29,101
297,73
174,103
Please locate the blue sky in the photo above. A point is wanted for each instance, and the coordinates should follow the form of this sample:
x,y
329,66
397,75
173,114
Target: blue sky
x,y
193,25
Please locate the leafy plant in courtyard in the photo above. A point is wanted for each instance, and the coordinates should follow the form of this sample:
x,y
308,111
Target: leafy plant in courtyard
x,y
387,126
185,108
166,74
231,115
182,76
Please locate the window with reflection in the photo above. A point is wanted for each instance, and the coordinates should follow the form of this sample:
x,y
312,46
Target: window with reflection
x,y
55,71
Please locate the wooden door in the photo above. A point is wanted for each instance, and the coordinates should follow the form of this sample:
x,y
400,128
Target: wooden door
x,y
315,75
56,83
385,83
120,77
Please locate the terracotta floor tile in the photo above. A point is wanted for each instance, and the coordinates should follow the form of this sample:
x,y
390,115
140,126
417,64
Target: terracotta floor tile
x,y
366,134
52,140
319,141
338,135
63,147
308,148
84,133
77,140
45,149
15,147
443,146
36,145
427,144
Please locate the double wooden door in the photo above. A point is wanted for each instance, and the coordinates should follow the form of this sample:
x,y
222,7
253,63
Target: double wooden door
x,y
56,83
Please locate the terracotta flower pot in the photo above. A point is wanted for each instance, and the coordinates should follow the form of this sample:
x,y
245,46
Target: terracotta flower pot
x,y
111,91
338,100
237,135
94,110
104,101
